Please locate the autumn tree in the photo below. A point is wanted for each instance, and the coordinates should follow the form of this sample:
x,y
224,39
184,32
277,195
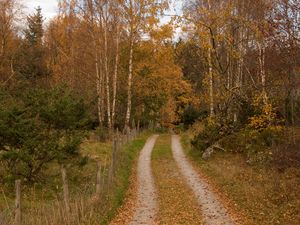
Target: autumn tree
x,y
140,16
250,66
70,52
225,30
10,13
161,93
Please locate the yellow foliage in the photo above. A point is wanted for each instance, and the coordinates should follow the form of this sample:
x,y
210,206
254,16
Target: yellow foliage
x,y
158,77
267,116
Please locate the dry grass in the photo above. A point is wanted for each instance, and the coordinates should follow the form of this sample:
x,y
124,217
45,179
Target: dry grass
x,y
83,211
264,194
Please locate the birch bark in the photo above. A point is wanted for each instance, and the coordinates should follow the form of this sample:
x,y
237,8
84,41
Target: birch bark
x,y
129,92
211,83
115,78
107,80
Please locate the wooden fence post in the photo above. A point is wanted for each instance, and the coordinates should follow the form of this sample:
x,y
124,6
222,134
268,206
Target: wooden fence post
x,y
98,179
118,140
18,203
114,152
113,161
65,190
128,135
123,140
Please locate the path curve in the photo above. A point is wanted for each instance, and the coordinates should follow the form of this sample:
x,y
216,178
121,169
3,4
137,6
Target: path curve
x,y
146,207
214,213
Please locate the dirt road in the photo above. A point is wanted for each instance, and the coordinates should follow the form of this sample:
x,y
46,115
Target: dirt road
x,y
213,211
178,174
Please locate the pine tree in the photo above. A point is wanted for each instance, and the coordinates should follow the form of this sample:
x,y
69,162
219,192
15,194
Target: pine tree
x,y
32,64
34,32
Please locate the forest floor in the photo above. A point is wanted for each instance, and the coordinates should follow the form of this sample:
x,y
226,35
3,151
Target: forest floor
x,y
170,191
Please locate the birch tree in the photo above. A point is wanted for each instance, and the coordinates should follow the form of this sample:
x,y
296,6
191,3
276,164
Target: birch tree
x,y
105,17
140,16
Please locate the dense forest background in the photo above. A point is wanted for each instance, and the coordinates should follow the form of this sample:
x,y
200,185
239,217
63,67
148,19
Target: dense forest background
x,y
110,65
77,91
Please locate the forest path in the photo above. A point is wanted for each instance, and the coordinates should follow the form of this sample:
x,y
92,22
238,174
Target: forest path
x,y
173,193
213,212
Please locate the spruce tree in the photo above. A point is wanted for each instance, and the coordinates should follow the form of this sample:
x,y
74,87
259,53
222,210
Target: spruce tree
x,y
34,31
32,65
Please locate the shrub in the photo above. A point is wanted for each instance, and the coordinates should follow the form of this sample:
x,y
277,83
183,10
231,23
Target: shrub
x,y
191,115
179,128
256,145
213,131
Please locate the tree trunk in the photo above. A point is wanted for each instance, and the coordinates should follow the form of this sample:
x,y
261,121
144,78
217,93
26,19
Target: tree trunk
x,y
211,88
107,77
115,78
210,74
262,70
102,89
98,84
129,92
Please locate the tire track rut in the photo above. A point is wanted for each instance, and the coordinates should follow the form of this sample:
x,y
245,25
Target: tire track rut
x,y
146,207
213,212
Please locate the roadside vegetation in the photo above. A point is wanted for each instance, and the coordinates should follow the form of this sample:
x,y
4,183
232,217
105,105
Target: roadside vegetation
x,y
263,193
42,202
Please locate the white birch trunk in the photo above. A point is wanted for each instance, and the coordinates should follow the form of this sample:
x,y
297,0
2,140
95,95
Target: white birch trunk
x,y
115,78
210,75
228,80
107,77
99,100
262,71
98,84
102,90
211,83
129,91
